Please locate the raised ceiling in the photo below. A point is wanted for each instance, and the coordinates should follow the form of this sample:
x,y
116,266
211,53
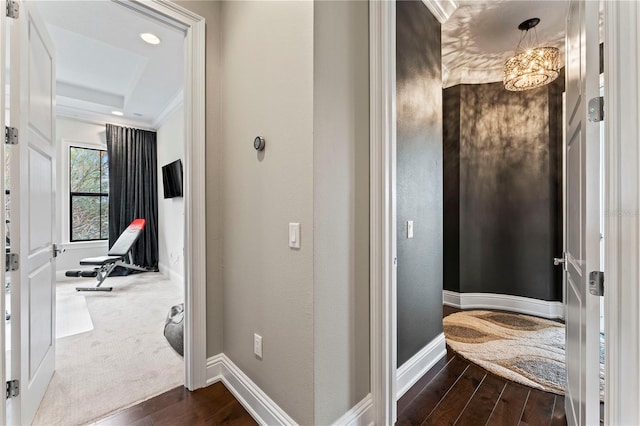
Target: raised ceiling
x,y
481,35
103,65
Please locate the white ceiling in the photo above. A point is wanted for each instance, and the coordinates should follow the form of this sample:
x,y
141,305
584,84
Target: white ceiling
x,y
481,35
103,65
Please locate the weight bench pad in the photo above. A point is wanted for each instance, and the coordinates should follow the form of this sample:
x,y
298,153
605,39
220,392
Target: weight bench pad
x,y
100,260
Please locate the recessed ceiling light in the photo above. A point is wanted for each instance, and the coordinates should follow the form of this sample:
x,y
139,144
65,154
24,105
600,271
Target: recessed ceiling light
x,y
150,38
118,113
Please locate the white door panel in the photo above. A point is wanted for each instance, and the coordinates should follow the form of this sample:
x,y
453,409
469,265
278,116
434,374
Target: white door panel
x,y
40,83
33,223
574,199
41,337
582,215
40,199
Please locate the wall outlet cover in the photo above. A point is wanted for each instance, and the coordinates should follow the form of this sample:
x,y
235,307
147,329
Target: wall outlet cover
x,y
257,345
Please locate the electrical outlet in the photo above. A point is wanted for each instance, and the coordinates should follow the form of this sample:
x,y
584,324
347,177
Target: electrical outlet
x,y
257,345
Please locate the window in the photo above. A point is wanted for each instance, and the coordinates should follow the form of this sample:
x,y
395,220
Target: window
x,y
89,194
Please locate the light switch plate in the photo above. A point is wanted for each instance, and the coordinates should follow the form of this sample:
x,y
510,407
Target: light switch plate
x,y
294,235
257,345
409,229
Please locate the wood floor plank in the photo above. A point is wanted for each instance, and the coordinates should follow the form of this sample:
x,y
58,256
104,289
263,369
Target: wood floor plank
x,y
539,409
145,408
508,409
232,414
196,408
454,402
481,406
559,417
180,407
428,398
145,421
448,310
406,399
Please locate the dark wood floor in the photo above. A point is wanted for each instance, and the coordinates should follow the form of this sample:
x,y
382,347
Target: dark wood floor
x,y
454,391
458,392
213,405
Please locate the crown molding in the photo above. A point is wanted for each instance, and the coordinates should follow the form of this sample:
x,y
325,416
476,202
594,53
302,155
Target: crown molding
x,y
441,9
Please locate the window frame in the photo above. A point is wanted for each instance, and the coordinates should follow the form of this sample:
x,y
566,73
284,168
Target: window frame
x,y
73,194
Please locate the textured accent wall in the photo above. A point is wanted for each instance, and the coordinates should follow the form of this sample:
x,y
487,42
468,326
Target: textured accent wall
x,y
419,177
509,187
451,187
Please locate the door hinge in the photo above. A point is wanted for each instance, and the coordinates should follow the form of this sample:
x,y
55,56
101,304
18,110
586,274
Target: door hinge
x,y
13,388
596,109
11,135
596,283
13,9
13,262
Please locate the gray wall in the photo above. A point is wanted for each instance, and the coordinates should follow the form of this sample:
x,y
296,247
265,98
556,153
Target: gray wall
x,y
213,191
341,206
419,177
297,74
509,189
267,70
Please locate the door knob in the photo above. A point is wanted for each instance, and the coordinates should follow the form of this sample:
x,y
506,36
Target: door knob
x,y
57,249
558,260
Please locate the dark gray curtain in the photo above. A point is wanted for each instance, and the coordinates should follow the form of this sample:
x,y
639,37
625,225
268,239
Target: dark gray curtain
x,y
133,189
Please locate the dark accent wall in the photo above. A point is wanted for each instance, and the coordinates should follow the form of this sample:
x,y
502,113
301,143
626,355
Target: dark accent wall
x,y
451,187
509,188
419,177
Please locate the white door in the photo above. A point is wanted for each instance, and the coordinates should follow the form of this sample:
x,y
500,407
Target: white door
x,y
582,214
32,80
3,365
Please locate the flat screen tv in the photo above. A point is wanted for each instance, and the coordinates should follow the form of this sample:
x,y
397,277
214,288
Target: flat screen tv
x,y
172,179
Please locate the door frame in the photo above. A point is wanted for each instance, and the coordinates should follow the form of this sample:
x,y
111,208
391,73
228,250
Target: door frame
x,y
195,254
195,337
622,218
3,230
382,119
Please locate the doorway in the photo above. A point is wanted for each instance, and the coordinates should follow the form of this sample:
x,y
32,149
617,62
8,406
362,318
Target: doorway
x,y
192,26
509,258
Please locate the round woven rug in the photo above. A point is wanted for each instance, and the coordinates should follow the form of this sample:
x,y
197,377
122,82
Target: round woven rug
x,y
521,348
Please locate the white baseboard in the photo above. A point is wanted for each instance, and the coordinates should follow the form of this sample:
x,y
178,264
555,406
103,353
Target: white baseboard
x,y
412,370
360,415
170,273
262,408
523,305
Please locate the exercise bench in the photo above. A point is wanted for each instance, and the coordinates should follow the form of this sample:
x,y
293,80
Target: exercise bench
x,y
118,255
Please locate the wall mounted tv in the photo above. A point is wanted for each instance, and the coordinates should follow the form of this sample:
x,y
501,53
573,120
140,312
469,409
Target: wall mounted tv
x,y
172,179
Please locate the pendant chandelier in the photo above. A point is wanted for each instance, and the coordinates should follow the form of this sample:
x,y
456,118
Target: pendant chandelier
x,y
531,66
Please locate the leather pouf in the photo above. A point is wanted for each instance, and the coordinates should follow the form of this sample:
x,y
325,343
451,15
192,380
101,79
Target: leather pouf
x,y
174,328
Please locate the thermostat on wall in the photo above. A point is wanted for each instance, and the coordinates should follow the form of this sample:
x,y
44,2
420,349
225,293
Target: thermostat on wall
x,y
258,143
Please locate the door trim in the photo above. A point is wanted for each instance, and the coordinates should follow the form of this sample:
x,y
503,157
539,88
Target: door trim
x,y
382,80
622,243
622,220
3,231
195,254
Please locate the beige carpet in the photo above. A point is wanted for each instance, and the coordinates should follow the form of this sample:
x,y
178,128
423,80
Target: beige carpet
x,y
124,359
518,347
